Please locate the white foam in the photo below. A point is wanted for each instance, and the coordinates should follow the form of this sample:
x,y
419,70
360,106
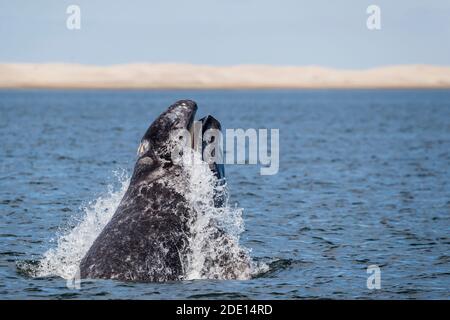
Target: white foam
x,y
73,244
206,243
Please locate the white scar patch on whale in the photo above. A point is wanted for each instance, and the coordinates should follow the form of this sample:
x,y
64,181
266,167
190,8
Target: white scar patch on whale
x,y
143,147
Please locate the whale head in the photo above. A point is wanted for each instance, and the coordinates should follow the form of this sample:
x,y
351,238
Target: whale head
x,y
155,149
150,235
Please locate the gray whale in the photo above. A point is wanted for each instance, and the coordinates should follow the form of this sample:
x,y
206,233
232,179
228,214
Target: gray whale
x,y
147,239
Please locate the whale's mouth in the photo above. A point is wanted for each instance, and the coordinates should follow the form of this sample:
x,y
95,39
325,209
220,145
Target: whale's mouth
x,y
203,133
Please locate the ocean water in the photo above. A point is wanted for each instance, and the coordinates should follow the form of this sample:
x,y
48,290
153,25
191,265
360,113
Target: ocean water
x,y
364,180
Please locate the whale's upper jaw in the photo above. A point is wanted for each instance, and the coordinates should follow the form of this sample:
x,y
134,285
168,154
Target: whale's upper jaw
x,y
179,115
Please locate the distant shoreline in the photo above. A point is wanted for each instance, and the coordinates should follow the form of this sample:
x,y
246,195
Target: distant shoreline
x,y
186,76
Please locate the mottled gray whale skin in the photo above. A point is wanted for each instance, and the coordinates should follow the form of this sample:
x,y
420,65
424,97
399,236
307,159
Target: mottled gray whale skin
x,y
147,237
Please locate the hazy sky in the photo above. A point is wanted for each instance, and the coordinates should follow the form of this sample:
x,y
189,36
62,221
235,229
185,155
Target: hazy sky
x,y
227,32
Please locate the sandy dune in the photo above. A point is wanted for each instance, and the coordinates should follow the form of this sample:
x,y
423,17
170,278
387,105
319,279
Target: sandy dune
x,y
131,76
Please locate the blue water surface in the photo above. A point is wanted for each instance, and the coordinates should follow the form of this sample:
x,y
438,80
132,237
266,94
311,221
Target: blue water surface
x,y
364,180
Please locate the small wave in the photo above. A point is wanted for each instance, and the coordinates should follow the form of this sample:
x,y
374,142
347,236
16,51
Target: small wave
x,y
271,266
28,268
220,295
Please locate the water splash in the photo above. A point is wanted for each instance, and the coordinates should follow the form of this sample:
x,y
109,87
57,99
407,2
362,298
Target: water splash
x,y
214,249
214,232
72,244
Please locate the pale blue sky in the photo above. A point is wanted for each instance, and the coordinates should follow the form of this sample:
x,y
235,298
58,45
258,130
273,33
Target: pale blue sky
x,y
227,32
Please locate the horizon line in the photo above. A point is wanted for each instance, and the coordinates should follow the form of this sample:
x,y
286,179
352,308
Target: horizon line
x,y
174,75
